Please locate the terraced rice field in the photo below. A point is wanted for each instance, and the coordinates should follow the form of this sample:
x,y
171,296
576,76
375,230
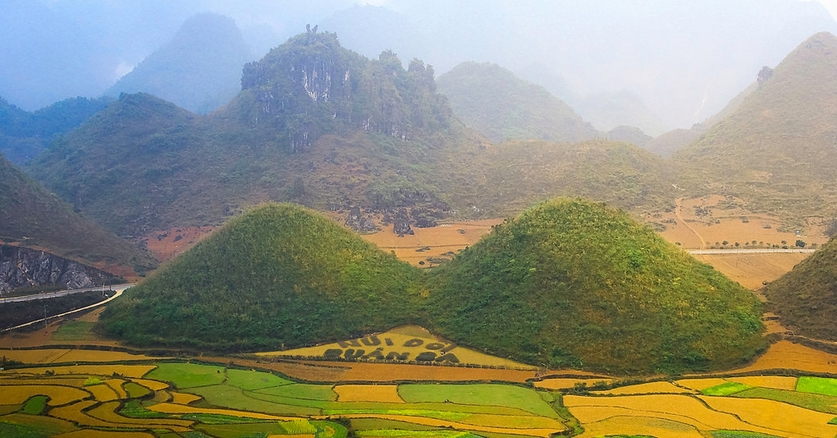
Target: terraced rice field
x,y
230,398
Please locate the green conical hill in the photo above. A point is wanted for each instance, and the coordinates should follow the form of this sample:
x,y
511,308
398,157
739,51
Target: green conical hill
x,y
503,107
777,149
806,297
32,216
575,283
277,275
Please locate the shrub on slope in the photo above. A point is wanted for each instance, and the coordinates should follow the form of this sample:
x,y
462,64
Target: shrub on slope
x,y
277,275
575,283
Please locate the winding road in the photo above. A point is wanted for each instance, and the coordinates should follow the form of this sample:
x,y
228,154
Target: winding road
x,y
119,289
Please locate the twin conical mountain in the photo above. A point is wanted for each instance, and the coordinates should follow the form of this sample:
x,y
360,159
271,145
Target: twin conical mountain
x,y
777,149
568,283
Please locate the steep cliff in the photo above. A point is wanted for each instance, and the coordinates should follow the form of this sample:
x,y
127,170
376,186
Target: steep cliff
x,y
21,267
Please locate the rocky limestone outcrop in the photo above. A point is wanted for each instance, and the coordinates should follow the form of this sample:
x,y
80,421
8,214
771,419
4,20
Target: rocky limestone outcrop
x,y
362,224
22,267
401,224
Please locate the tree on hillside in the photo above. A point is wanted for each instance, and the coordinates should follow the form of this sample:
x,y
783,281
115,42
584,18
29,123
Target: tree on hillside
x,y
800,244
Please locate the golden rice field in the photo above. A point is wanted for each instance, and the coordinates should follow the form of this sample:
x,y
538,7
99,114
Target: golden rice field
x,y
96,394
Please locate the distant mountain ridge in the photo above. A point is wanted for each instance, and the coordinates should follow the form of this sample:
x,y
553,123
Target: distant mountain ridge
x,y
24,134
503,107
777,149
199,69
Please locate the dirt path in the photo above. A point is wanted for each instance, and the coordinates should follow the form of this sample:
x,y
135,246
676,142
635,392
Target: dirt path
x,y
678,202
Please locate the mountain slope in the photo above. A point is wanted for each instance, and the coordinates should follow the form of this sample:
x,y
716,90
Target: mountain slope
x,y
31,216
777,149
575,283
806,297
314,123
503,107
279,275
199,69
23,135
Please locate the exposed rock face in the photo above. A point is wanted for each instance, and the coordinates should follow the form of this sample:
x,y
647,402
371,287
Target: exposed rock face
x,y
356,221
401,224
21,267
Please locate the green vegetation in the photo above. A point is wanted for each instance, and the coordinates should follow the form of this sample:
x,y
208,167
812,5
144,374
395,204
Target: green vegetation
x,y
187,375
135,409
277,276
12,314
739,434
74,331
804,297
495,395
303,391
817,385
253,379
92,381
725,389
32,216
495,102
575,283
35,405
136,390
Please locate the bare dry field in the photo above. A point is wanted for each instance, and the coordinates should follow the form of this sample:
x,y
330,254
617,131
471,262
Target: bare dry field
x,y
167,244
646,388
368,393
752,270
790,356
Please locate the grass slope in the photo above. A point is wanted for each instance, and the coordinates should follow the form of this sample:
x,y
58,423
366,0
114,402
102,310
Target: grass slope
x,y
33,217
776,150
575,283
503,107
279,275
806,297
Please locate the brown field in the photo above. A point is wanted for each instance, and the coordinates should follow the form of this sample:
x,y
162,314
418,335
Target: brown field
x,y
775,382
646,388
116,385
790,356
92,433
397,340
181,398
514,421
368,393
751,270
567,383
102,392
701,384
677,408
75,413
153,385
165,244
47,356
649,426
11,379
440,239
780,418
96,370
546,433
58,395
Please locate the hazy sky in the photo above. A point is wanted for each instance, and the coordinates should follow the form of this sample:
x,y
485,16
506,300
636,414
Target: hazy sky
x,y
684,59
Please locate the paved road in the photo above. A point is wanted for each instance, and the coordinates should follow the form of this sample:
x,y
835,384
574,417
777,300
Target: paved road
x,y
61,293
119,289
750,251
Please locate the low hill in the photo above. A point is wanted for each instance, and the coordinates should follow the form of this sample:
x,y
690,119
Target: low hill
x,y
508,178
629,134
276,276
199,69
24,134
503,107
576,283
776,150
31,216
806,297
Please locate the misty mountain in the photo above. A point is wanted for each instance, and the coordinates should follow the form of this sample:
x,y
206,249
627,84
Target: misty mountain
x,y
495,102
629,134
23,134
199,69
777,148
606,111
